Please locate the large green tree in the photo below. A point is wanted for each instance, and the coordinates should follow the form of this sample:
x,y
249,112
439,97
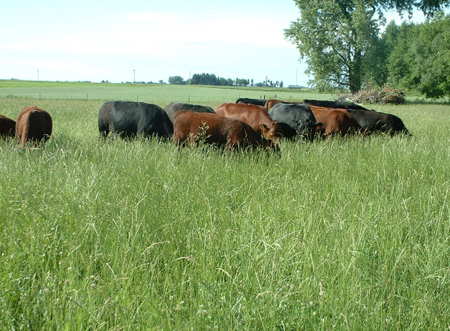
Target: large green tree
x,y
432,49
402,62
339,39
419,56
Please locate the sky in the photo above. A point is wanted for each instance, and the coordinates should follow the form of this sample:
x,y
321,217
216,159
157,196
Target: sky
x,y
118,41
149,40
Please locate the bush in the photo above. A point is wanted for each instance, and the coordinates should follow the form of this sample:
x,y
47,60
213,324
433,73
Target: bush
x,y
384,95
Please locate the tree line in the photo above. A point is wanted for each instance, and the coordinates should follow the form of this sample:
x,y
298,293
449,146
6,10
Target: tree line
x,y
212,79
347,44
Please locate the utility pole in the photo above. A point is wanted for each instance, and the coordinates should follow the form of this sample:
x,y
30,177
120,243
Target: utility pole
x,y
134,76
38,74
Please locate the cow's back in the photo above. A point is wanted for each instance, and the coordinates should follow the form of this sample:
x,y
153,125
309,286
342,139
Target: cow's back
x,y
134,118
373,121
253,115
174,107
190,126
334,104
335,121
214,129
33,124
104,118
298,119
251,101
7,126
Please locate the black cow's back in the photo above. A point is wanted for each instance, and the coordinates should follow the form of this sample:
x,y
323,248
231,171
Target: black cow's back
x,y
373,121
334,104
298,119
250,101
134,118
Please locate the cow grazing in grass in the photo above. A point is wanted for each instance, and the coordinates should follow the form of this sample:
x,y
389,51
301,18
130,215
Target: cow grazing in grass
x,y
374,121
7,127
33,124
335,121
193,127
129,119
370,120
174,107
297,119
255,116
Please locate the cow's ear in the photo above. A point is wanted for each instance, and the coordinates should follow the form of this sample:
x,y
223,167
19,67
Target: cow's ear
x,y
264,128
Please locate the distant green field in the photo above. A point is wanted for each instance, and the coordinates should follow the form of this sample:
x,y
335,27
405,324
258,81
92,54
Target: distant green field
x,y
157,94
348,234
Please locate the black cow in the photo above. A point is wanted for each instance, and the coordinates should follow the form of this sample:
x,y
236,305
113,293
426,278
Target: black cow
x,y
7,126
297,120
374,121
258,102
173,108
133,118
334,104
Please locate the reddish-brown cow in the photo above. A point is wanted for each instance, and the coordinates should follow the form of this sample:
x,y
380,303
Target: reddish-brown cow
x,y
7,126
335,121
214,129
33,124
255,116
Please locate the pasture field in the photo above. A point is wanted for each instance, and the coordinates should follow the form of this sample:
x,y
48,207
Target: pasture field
x,y
347,234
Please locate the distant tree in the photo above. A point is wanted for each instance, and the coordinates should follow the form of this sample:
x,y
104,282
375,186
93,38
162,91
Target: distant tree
x,y
176,80
241,82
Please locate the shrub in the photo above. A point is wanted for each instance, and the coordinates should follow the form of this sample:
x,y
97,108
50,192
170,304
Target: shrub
x,y
383,95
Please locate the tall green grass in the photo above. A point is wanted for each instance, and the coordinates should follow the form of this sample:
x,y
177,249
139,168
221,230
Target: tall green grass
x,y
349,233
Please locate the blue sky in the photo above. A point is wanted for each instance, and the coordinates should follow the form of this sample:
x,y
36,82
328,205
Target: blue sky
x,y
77,40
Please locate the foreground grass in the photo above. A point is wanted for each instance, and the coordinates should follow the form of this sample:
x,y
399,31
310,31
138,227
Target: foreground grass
x,y
345,234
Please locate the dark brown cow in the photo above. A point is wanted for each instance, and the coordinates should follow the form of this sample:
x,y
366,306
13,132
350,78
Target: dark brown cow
x,y
335,121
7,127
250,101
255,116
191,127
33,124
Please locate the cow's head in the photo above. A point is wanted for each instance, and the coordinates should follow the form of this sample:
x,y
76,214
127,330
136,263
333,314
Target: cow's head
x,y
273,132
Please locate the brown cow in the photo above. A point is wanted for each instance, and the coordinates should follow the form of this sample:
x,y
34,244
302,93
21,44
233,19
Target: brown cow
x,y
33,124
214,129
335,121
7,126
255,116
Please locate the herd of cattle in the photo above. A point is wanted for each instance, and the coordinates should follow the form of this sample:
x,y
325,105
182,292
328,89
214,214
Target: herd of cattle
x,y
248,122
